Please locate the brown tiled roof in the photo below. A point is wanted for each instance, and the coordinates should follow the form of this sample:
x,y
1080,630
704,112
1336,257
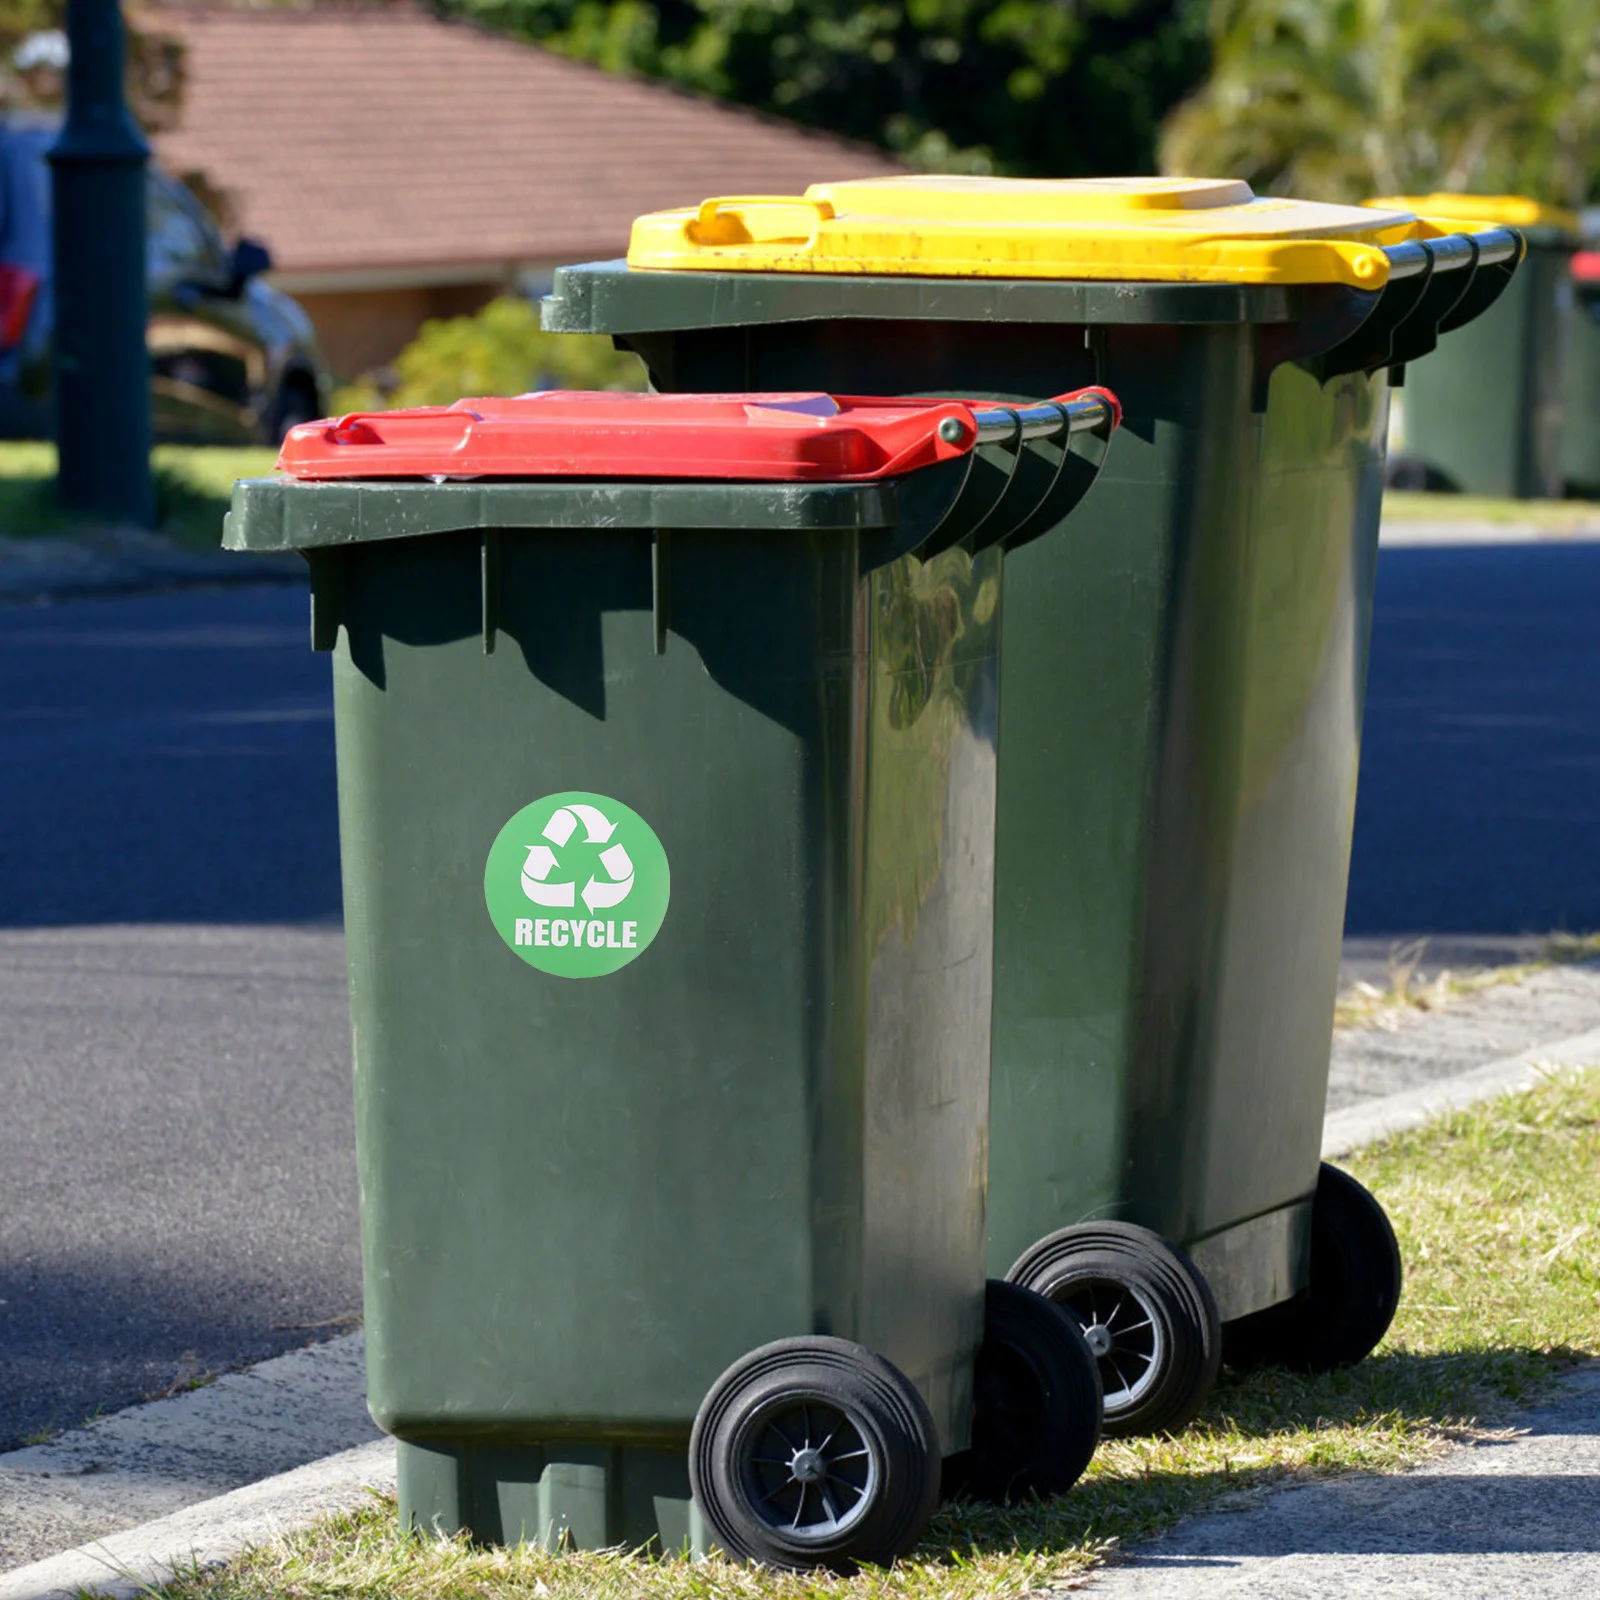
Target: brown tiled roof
x,y
379,137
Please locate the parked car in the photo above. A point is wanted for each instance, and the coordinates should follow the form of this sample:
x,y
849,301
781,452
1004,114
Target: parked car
x,y
233,360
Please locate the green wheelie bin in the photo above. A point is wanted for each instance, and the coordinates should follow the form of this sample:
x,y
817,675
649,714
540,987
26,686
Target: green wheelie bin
x,y
1184,674
1580,437
666,754
1484,415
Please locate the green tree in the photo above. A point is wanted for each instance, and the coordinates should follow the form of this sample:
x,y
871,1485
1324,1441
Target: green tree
x,y
499,350
1043,87
1343,99
1556,148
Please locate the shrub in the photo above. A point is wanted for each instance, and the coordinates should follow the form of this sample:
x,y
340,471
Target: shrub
x,y
499,350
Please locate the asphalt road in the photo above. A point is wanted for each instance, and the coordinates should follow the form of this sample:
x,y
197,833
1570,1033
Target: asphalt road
x,y
1478,808
177,1192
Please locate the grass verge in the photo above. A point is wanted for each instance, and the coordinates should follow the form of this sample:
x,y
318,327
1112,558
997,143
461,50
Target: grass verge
x,y
1496,1207
193,486
1371,1005
1401,505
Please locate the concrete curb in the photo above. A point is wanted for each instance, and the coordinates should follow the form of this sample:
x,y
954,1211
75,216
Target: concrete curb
x,y
1581,528
125,561
1361,1124
148,1462
127,1564
212,1531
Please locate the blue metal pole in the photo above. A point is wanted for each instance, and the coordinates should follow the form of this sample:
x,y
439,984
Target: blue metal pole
x,y
101,365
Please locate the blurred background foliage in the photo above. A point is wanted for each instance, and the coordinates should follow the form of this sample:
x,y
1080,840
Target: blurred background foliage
x,y
33,58
1061,87
499,350
1336,99
1328,99
1341,99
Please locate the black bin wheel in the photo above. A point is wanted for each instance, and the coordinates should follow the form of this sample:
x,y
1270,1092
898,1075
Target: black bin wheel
x,y
1036,1402
1146,1312
815,1452
1351,1299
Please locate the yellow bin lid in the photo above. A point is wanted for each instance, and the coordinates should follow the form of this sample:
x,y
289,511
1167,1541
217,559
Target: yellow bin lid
x,y
1484,210
1177,230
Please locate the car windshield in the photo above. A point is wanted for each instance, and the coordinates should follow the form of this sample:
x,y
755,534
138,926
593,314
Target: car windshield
x,y
184,244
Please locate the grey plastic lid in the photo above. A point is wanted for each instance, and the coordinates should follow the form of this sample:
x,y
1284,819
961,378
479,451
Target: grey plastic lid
x,y
281,514
612,297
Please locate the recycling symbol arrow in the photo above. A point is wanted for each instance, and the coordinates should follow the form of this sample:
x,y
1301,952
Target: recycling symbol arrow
x,y
542,861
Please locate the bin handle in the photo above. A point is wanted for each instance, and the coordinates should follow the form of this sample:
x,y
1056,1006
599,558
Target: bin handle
x,y
707,213
1452,251
1095,409
1003,521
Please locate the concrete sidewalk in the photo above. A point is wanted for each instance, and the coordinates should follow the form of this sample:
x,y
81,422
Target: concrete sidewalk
x,y
1512,1517
126,561
123,1566
143,1464
200,1475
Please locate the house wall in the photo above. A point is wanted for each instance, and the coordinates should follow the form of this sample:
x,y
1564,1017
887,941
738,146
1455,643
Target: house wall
x,y
360,329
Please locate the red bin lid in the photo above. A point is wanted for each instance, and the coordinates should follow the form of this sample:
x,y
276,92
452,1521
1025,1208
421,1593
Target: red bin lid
x,y
793,438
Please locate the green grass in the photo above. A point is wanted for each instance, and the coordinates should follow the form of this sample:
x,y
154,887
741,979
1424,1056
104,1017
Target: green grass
x,y
1405,506
193,487
1497,1210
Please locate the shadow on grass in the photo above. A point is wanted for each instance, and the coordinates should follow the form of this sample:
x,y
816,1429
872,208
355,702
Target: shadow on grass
x,y
1267,1429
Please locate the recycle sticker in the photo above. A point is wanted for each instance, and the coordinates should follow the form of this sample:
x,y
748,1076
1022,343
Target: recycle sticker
x,y
577,884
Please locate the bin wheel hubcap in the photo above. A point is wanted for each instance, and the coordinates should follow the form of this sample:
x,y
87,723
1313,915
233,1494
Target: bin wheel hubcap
x,y
807,1468
1124,1334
